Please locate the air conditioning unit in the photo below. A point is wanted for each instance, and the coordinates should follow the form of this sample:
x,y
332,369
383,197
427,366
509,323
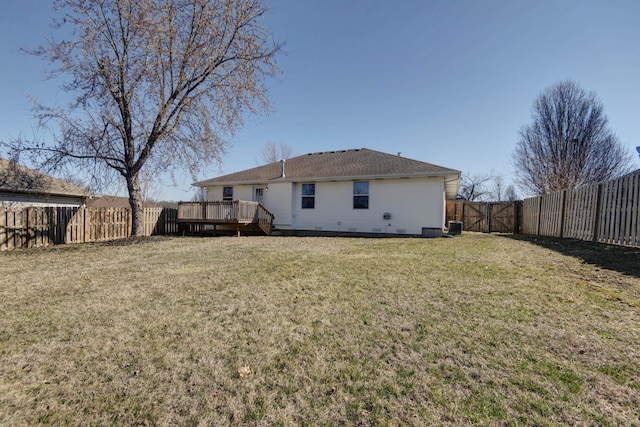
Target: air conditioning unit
x,y
455,227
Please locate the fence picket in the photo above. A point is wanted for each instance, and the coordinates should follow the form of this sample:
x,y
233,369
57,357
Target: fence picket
x,y
615,224
3,228
635,184
628,210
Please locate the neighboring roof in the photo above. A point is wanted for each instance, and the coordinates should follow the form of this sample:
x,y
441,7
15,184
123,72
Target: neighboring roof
x,y
108,202
115,202
340,165
15,178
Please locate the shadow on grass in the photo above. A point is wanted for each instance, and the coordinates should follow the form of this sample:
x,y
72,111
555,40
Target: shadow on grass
x,y
623,259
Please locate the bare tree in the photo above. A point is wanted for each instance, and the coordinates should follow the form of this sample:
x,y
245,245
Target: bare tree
x,y
568,143
497,188
272,152
200,195
151,188
78,182
477,187
510,194
486,187
157,85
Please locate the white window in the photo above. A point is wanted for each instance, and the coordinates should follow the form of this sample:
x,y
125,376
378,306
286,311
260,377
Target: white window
x,y
227,193
361,195
308,196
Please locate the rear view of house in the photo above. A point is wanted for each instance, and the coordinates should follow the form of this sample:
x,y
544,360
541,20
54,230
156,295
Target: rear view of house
x,y
345,191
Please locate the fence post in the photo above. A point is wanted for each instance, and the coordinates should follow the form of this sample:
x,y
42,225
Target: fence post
x,y
3,229
464,221
539,214
563,210
26,224
596,220
84,224
488,218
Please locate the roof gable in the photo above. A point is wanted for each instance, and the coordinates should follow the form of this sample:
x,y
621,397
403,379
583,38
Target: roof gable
x,y
15,178
341,164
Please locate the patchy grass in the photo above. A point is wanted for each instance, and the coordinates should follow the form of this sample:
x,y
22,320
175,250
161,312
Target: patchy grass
x,y
317,331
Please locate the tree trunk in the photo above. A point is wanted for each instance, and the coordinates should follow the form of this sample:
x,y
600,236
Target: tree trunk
x,y
135,201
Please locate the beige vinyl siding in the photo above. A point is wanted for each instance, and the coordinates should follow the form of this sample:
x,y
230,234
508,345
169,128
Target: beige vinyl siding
x,y
243,192
279,203
214,194
412,203
240,192
19,200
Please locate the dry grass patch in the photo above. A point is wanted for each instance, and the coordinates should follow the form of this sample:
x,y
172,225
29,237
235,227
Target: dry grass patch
x,y
292,331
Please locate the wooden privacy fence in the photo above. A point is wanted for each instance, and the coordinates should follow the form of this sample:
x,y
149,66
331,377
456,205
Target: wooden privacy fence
x,y
41,226
486,217
605,213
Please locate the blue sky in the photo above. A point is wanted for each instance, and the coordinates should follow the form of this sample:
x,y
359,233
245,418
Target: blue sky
x,y
446,82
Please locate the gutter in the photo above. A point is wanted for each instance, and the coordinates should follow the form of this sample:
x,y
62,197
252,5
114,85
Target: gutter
x,y
44,193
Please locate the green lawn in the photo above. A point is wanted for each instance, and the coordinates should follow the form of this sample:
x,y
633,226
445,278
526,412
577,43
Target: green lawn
x,y
479,329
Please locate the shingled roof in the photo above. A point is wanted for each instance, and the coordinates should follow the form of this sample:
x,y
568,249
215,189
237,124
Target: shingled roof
x,y
330,165
15,178
359,163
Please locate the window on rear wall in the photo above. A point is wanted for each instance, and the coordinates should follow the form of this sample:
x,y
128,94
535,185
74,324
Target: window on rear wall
x,y
361,195
308,196
227,193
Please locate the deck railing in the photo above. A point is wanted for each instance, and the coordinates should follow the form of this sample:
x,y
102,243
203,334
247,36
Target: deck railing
x,y
265,219
226,212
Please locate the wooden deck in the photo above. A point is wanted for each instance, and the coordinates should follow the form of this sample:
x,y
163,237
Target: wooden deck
x,y
242,213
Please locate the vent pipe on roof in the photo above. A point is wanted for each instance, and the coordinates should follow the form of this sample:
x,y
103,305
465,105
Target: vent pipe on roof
x,y
282,163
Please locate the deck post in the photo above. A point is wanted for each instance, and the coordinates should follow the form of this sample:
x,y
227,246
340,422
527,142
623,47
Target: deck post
x,y
238,228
